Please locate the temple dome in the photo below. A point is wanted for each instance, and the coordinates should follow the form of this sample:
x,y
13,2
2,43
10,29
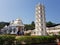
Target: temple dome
x,y
18,19
18,22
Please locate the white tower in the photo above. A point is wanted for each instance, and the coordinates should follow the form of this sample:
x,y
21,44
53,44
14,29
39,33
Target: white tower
x,y
40,24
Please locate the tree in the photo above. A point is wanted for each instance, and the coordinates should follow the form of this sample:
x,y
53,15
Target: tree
x,y
48,24
33,25
2,24
30,26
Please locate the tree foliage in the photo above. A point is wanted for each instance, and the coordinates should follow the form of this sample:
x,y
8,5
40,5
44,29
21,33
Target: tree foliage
x,y
50,24
30,26
2,24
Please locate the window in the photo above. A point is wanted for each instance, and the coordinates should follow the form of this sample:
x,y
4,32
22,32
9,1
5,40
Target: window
x,y
39,7
39,11
34,33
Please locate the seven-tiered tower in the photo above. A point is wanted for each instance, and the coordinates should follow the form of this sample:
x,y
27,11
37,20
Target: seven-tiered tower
x,y
40,23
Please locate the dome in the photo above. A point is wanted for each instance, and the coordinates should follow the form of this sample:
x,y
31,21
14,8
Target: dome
x,y
18,19
18,22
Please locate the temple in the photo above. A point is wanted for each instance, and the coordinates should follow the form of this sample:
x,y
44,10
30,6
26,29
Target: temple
x,y
15,27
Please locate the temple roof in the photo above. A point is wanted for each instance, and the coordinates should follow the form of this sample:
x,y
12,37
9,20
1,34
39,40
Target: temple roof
x,y
17,22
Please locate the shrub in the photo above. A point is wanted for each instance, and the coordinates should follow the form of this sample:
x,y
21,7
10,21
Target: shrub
x,y
10,39
43,39
25,39
7,39
36,39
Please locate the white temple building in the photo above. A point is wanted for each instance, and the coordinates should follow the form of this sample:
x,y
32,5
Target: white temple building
x,y
15,27
55,30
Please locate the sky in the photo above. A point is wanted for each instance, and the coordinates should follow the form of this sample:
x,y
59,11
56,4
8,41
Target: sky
x,y
25,10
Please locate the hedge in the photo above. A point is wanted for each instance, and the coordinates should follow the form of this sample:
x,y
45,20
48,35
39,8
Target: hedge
x,y
11,39
6,39
36,39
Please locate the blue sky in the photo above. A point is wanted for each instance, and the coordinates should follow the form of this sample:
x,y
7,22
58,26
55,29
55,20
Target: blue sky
x,y
25,9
